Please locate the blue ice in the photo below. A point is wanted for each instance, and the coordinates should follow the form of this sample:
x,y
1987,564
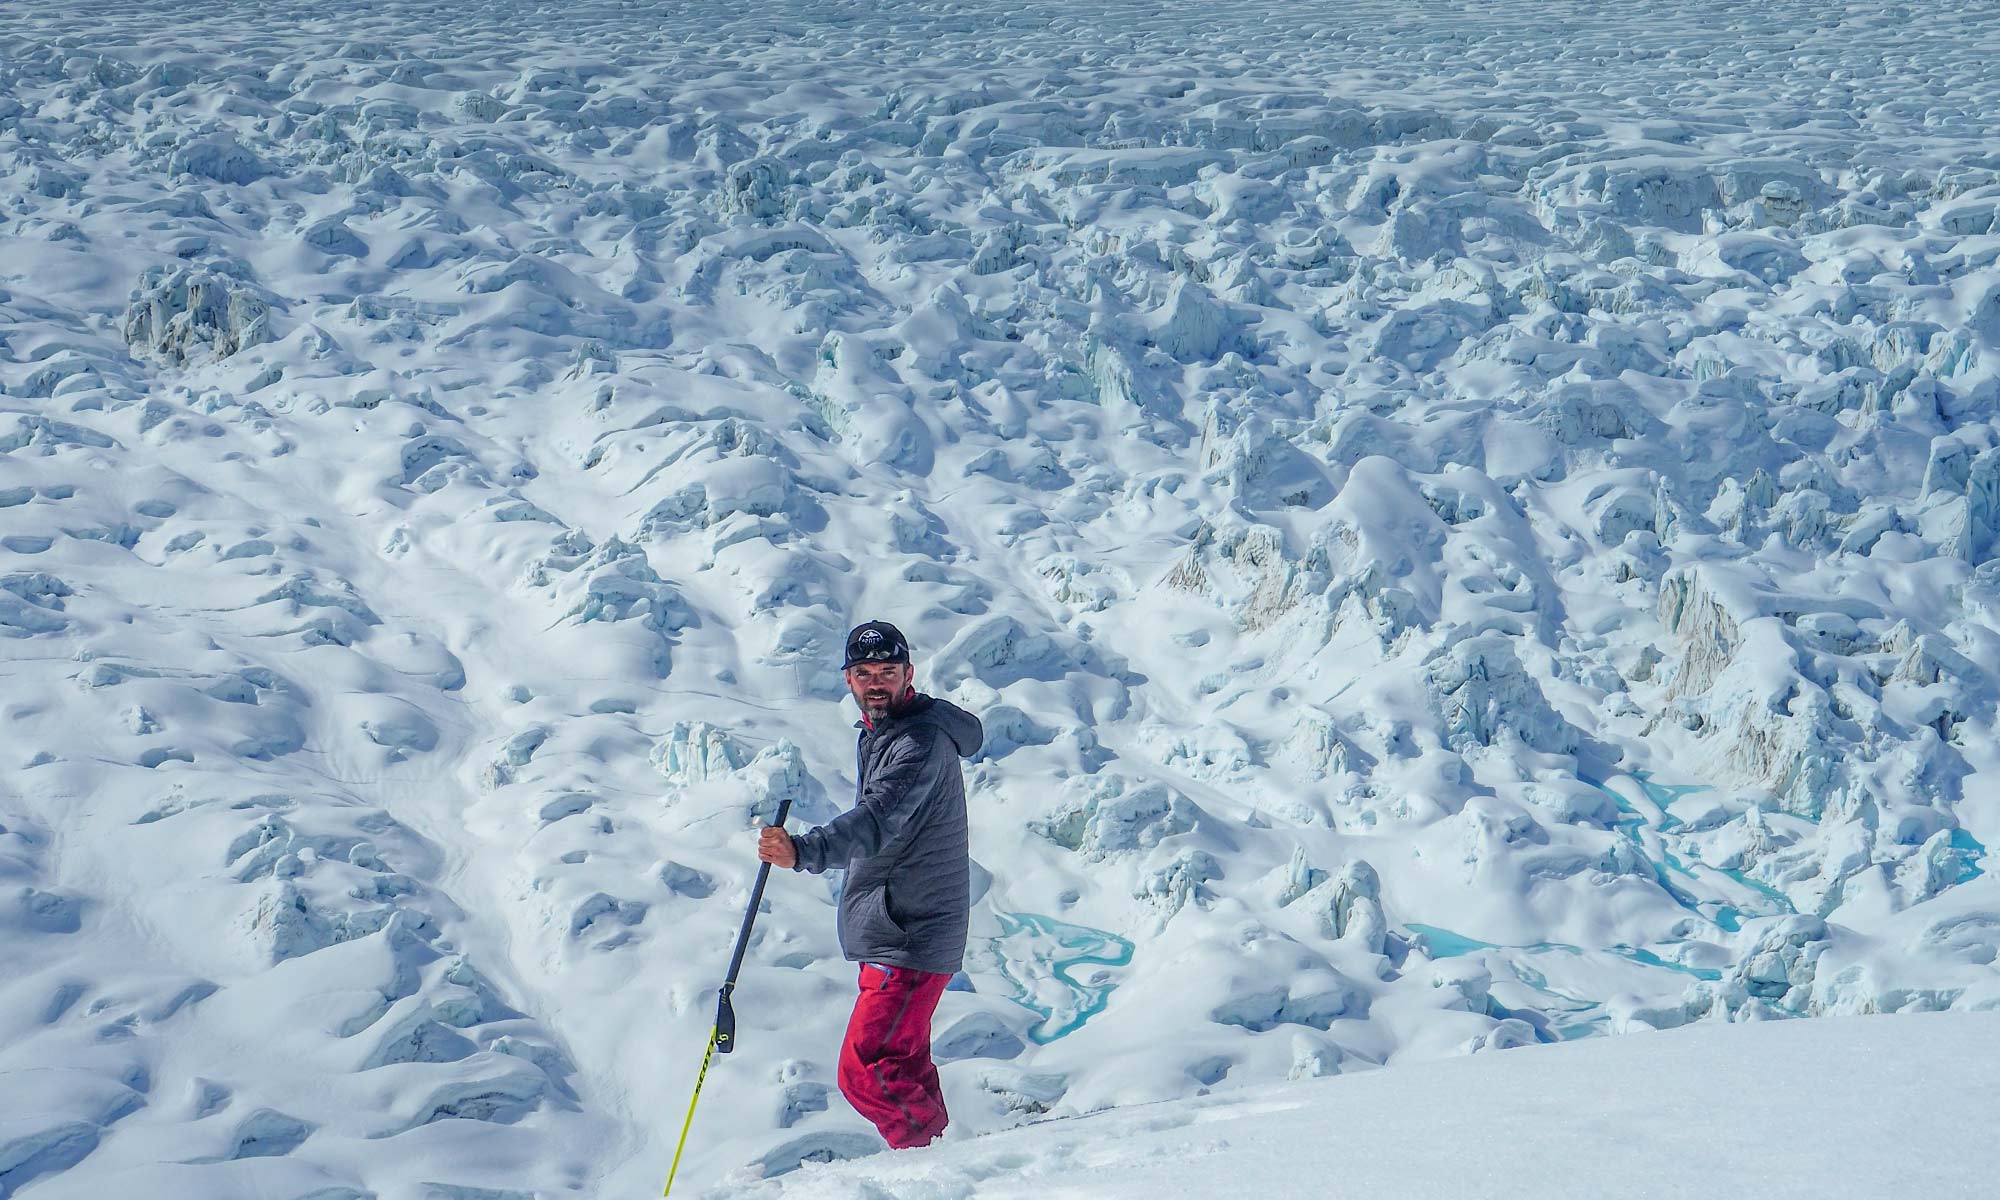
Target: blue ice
x,y
1037,954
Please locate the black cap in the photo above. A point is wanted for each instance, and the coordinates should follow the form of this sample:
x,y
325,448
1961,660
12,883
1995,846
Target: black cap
x,y
875,641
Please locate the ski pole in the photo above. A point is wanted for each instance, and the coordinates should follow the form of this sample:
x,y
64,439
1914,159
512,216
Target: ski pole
x,y
722,1039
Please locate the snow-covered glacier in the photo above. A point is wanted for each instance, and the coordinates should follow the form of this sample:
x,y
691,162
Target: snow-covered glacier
x,y
1467,526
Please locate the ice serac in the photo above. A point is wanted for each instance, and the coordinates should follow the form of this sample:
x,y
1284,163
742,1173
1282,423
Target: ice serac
x,y
1485,695
1193,325
614,582
1105,816
1978,537
182,313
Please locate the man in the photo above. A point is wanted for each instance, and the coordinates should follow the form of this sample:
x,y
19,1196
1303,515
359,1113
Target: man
x,y
907,898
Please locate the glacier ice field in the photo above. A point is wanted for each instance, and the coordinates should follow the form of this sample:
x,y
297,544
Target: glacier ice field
x,y
1467,526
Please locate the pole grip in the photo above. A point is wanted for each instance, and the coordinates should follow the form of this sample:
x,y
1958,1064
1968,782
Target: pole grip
x,y
725,1021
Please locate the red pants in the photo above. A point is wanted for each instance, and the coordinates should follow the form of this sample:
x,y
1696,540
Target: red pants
x,y
885,1060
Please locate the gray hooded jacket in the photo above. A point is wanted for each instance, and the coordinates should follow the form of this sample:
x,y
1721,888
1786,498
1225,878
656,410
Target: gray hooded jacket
x,y
908,894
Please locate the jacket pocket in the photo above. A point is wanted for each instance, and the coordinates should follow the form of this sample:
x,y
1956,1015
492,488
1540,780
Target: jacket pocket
x,y
869,924
889,911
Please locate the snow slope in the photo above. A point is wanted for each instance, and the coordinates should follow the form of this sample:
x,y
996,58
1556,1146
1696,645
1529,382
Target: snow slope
x,y
1839,1107
1466,527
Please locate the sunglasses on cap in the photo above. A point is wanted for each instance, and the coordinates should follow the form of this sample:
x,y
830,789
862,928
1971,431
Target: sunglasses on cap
x,y
876,645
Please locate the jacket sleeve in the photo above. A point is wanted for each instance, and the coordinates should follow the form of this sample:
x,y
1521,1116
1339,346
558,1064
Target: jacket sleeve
x,y
892,796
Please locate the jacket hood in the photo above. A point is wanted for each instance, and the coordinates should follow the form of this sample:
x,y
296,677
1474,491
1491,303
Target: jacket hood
x,y
964,729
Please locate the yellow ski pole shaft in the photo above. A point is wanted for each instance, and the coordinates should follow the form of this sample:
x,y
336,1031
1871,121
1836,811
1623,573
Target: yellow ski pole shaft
x,y
706,1055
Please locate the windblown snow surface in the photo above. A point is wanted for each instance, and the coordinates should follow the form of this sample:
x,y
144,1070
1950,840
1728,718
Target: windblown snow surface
x,y
1467,526
1801,1111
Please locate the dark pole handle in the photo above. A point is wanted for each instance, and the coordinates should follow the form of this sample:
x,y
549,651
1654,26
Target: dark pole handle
x,y
725,1016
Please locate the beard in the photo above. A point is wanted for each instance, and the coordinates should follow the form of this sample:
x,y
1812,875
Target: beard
x,y
876,702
